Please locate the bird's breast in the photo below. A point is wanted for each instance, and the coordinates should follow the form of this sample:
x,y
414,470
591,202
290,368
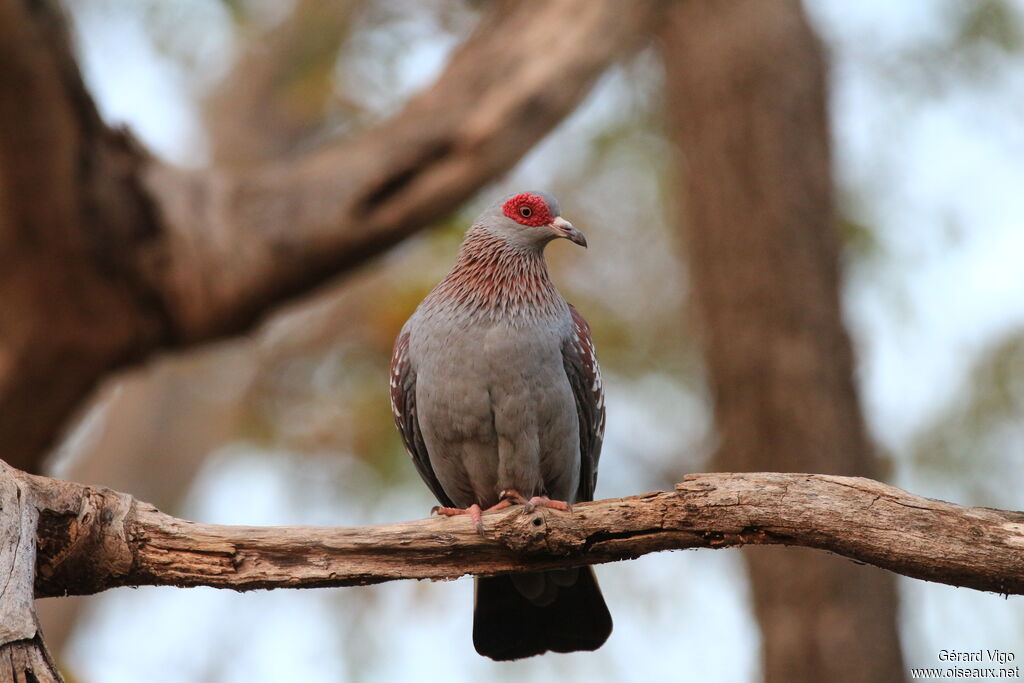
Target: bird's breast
x,y
467,368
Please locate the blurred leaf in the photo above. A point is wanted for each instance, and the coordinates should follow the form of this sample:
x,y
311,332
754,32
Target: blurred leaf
x,y
989,22
858,240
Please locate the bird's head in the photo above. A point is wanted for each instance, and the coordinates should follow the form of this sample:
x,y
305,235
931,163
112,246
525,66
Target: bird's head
x,y
529,220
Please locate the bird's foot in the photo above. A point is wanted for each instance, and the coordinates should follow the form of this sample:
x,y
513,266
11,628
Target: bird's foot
x,y
511,496
473,511
545,502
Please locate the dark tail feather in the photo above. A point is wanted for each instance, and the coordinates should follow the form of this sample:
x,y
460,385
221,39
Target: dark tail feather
x,y
507,625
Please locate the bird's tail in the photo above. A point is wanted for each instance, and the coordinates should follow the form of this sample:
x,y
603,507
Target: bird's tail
x,y
522,615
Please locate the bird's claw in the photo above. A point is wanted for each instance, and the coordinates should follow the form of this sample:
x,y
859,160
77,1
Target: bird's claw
x,y
511,496
508,498
545,502
473,511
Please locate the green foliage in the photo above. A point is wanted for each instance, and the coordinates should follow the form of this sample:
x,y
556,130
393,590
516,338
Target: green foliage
x,y
988,23
860,241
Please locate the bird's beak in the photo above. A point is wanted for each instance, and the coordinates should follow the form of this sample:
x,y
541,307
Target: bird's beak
x,y
564,228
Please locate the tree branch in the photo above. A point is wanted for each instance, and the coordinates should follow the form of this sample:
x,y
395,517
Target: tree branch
x,y
119,255
71,208
92,539
238,243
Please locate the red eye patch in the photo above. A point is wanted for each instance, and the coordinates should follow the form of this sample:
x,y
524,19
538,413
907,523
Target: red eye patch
x,y
527,209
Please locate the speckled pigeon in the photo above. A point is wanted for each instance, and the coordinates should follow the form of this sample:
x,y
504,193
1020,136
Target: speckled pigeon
x,y
497,393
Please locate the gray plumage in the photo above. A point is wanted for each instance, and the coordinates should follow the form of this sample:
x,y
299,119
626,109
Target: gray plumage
x,y
495,386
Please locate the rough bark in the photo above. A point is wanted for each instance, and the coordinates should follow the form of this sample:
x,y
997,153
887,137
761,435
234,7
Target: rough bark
x,y
23,655
27,661
92,539
75,539
748,92
110,256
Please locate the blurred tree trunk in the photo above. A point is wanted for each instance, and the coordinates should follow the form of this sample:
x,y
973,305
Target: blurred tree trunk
x,y
747,87
274,98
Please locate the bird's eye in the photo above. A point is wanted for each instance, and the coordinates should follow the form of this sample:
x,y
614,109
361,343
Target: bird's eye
x,y
525,211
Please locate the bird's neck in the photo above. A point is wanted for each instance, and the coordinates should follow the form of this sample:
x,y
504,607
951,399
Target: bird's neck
x,y
494,277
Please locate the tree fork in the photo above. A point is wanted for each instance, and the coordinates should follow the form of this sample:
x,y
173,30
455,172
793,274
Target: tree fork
x,y
120,256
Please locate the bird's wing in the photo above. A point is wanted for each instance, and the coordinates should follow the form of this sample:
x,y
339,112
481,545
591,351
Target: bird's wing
x,y
584,374
403,407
